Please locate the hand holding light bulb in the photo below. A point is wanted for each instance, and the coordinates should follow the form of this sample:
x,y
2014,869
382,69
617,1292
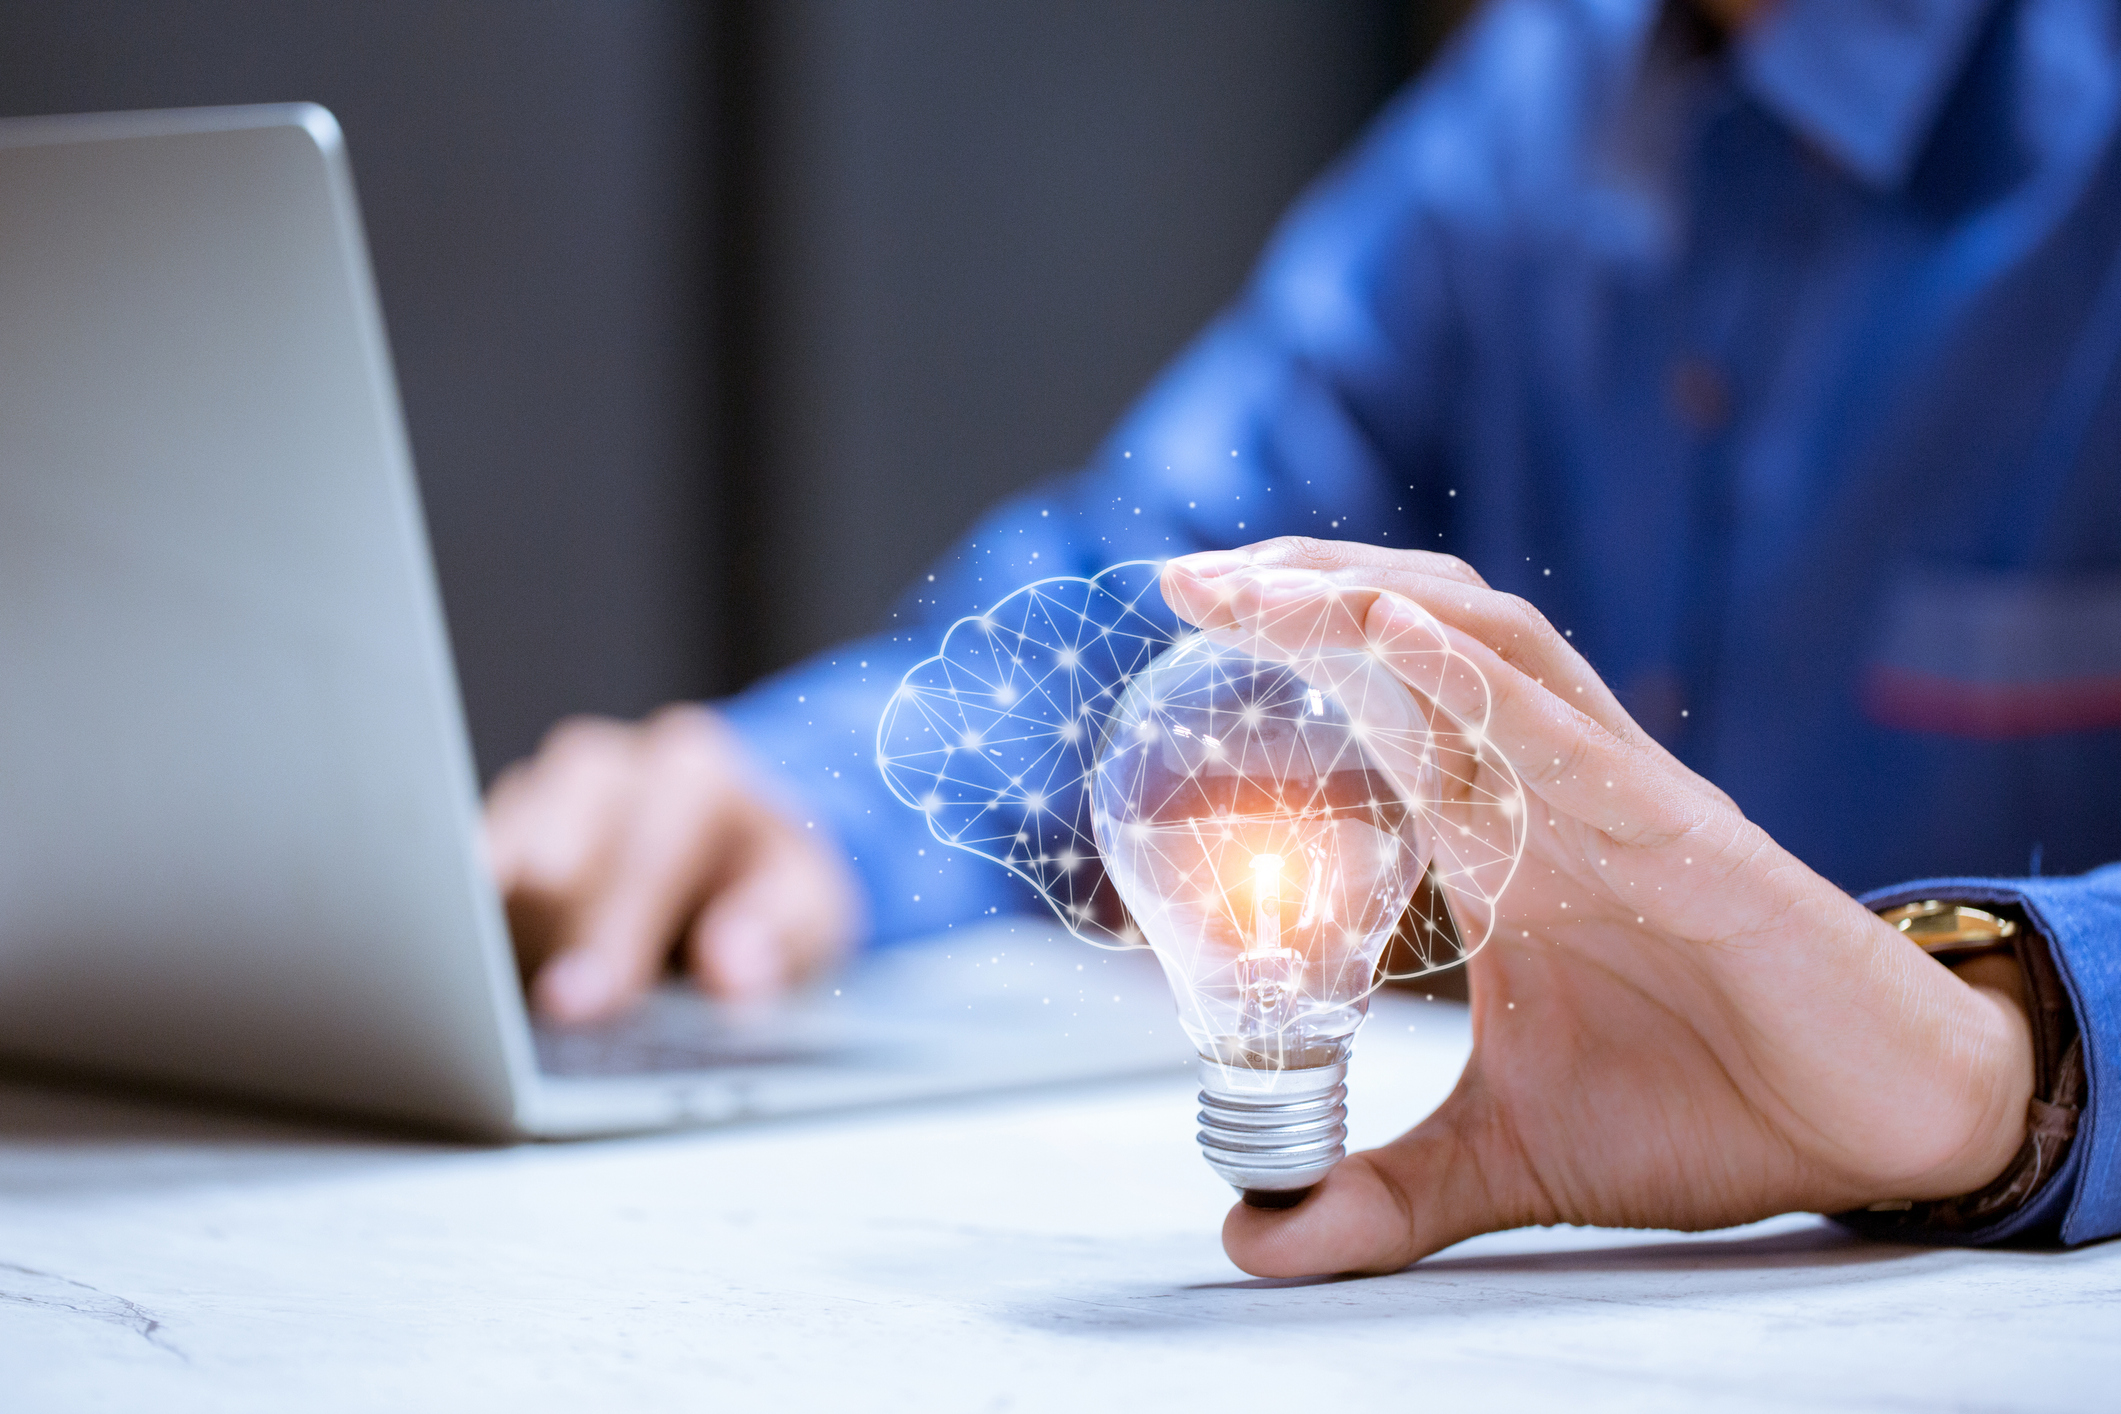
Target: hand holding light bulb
x,y
1676,1024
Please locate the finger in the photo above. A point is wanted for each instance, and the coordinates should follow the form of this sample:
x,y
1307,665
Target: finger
x,y
1225,590
547,820
1519,635
1294,615
1622,785
1379,1210
630,915
1196,588
1273,602
1302,552
786,913
1307,619
1300,610
1195,585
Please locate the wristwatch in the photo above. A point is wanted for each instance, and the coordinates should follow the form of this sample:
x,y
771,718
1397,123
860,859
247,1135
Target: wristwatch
x,y
1956,933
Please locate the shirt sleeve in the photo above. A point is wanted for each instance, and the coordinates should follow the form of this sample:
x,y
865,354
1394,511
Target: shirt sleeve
x,y
2080,919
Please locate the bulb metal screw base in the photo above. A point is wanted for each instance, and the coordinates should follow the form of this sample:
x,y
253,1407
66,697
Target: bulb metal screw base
x,y
1273,1134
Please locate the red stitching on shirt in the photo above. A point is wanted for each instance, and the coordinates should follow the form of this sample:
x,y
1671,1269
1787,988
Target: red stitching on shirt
x,y
1993,711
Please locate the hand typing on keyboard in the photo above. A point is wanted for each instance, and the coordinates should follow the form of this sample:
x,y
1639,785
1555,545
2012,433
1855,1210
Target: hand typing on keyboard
x,y
620,844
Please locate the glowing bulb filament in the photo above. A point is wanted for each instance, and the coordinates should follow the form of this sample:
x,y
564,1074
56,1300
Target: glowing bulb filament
x,y
1268,973
1266,904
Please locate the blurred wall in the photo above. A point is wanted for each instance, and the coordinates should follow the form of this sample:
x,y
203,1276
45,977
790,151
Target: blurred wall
x,y
715,321
533,174
977,229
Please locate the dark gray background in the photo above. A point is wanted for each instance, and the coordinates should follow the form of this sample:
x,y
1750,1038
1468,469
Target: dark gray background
x,y
715,321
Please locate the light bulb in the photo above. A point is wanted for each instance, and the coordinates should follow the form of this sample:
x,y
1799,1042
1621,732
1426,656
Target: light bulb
x,y
1265,795
1260,819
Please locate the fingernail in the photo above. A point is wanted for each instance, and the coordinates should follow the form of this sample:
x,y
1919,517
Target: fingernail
x,y
1207,564
574,984
1396,624
1393,608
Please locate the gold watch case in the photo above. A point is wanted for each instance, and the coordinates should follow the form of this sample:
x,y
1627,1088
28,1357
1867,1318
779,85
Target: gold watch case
x,y
1952,931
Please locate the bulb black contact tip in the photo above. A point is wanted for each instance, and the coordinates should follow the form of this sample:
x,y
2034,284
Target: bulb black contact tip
x,y
1276,1197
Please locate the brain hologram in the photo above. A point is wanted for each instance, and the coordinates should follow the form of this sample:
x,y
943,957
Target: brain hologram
x,y
996,740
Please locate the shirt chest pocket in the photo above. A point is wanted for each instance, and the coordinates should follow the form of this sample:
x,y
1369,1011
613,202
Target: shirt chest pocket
x,y
1996,655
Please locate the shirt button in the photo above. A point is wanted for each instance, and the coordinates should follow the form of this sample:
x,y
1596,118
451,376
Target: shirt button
x,y
1699,395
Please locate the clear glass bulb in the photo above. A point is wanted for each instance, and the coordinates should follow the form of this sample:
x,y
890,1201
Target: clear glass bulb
x,y
1258,819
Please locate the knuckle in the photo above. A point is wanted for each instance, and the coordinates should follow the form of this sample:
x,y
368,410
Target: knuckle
x,y
1465,571
1517,607
581,735
693,774
1443,566
1534,630
1560,768
1303,550
686,733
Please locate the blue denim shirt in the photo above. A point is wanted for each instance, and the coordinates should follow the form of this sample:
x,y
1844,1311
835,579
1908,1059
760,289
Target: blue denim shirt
x,y
1782,374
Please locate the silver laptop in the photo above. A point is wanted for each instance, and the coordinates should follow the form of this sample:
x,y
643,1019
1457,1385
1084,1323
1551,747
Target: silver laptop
x,y
239,840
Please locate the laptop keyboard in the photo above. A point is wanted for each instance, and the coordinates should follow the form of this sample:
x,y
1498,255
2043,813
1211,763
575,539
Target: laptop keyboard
x,y
676,1029
985,995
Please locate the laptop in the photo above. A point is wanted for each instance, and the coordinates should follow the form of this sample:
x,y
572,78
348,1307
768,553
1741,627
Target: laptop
x,y
239,819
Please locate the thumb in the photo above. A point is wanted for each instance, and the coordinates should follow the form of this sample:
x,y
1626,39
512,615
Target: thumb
x,y
1376,1212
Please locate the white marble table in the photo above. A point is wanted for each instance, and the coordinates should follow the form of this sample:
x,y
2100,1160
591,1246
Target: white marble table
x,y
1031,1252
